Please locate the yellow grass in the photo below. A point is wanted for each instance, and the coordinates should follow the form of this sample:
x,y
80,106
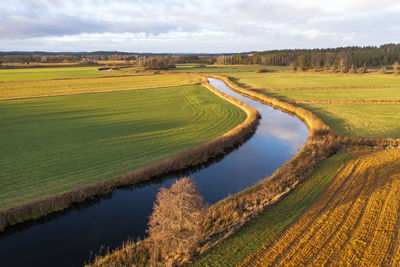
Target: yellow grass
x,y
28,89
355,221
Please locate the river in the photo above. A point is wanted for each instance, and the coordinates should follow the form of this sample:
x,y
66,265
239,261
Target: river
x,y
68,238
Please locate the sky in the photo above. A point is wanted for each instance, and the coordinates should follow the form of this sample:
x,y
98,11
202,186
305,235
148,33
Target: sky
x,y
189,26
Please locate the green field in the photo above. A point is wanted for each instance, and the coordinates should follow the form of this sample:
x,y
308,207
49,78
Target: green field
x,y
369,120
54,144
312,79
338,94
274,220
34,74
360,120
27,89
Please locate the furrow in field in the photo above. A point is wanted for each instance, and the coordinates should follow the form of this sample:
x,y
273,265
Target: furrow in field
x,y
356,224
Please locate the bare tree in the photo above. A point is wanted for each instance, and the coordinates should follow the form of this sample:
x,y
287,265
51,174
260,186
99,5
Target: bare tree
x,y
352,69
383,69
343,65
175,227
293,65
396,67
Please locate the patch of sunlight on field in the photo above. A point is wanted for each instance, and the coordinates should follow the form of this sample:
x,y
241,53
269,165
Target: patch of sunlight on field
x,y
55,144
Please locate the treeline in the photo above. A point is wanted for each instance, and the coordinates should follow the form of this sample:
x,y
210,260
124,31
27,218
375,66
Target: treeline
x,y
169,62
332,58
336,59
139,59
60,58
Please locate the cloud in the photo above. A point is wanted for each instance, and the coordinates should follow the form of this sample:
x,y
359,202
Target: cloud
x,y
195,26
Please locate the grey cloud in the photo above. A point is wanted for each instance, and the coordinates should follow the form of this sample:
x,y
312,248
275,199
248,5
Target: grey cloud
x,y
24,27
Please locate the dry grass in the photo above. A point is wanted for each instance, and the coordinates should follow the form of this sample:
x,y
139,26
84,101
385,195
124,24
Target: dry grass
x,y
355,221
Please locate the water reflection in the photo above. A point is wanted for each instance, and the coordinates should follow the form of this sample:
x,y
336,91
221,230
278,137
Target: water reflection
x,y
284,130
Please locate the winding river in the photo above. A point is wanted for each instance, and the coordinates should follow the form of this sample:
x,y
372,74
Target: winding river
x,y
68,238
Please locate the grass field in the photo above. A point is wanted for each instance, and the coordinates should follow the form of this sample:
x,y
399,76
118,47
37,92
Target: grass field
x,y
392,93
34,74
350,119
312,79
370,120
54,144
355,222
26,89
274,220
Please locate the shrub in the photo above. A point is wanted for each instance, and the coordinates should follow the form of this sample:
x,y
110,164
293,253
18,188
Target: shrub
x,y
263,70
175,227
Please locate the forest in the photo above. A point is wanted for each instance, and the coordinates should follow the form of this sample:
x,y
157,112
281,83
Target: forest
x,y
370,56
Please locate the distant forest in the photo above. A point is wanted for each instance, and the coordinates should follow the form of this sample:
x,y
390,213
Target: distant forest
x,y
342,58
357,57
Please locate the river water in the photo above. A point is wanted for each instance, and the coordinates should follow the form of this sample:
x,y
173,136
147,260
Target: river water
x,y
68,238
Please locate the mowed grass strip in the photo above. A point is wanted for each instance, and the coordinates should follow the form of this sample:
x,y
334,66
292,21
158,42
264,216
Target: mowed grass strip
x,y
54,144
7,75
273,220
360,120
27,89
355,222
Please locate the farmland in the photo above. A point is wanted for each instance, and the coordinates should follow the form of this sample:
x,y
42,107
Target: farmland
x,y
311,79
360,105
273,220
54,144
360,120
126,129
355,221
34,74
337,95
29,89
361,115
